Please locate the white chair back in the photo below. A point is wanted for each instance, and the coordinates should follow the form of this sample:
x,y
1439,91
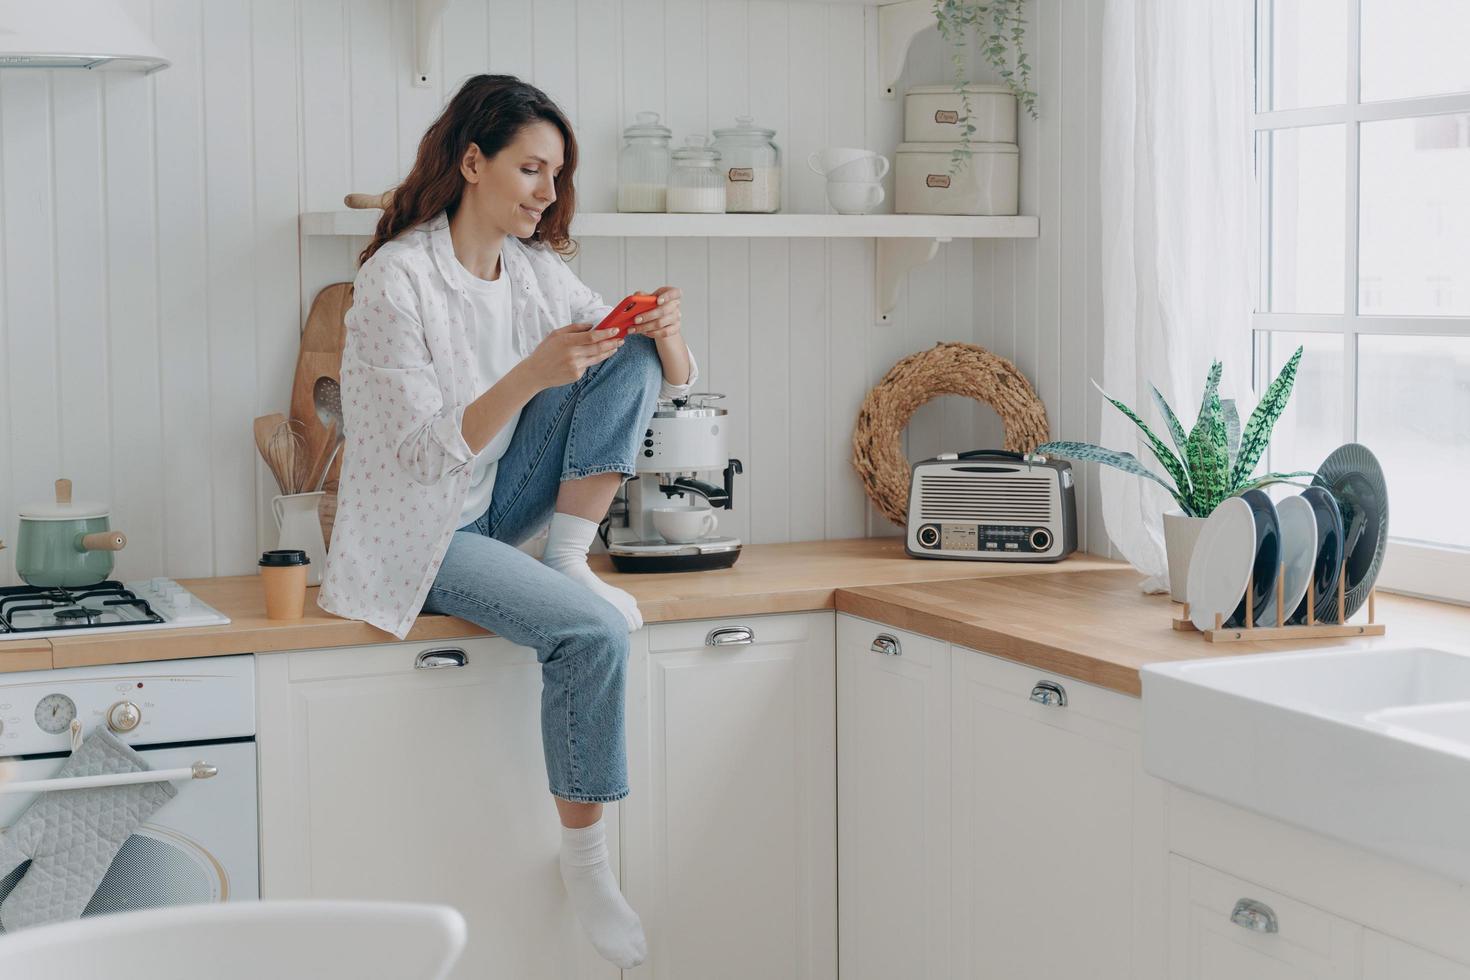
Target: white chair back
x,y
297,940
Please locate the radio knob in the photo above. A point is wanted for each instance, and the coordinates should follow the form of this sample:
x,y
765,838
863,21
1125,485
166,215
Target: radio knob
x,y
1040,539
124,716
928,536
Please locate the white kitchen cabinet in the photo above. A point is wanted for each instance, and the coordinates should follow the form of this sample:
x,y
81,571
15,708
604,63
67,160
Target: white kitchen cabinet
x,y
1057,831
893,763
729,835
383,780
1223,928
1386,958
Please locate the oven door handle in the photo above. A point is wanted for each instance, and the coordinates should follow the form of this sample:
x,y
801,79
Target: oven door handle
x,y
199,770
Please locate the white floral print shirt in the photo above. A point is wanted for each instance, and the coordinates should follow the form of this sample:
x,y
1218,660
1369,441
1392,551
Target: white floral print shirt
x,y
408,371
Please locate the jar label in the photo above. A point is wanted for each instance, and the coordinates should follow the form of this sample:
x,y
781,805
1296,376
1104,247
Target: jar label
x,y
742,173
948,116
937,180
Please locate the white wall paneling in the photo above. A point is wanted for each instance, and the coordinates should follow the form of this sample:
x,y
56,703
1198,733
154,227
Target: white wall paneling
x,y
154,284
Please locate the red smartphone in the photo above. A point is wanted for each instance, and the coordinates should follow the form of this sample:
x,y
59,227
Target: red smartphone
x,y
622,315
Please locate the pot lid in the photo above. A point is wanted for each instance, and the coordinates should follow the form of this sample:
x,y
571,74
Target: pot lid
x,y
974,88
62,508
951,147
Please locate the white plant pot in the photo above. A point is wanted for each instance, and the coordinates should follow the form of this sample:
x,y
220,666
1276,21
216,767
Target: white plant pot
x,y
1180,533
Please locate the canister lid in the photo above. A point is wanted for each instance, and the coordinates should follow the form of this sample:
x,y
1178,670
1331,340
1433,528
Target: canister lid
x,y
696,149
951,147
283,558
974,88
744,128
647,124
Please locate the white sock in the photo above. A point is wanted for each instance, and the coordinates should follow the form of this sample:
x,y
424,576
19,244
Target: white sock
x,y
566,551
608,920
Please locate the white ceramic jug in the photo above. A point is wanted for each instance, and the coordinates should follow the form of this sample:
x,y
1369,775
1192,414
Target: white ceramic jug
x,y
301,528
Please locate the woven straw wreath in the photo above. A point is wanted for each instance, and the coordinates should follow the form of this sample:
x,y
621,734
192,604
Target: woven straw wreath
x,y
944,369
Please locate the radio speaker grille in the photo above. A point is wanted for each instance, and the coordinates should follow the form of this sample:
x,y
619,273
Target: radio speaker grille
x,y
1005,500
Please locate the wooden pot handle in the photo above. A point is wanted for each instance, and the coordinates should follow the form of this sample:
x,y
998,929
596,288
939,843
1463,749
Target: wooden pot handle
x,y
364,201
63,491
104,541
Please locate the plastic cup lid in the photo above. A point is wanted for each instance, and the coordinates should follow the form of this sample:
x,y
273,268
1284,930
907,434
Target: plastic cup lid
x,y
283,558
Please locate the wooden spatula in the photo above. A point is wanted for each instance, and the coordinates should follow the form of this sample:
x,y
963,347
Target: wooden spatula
x,y
264,426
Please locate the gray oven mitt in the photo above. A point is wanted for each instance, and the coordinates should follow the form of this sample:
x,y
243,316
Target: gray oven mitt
x,y
71,836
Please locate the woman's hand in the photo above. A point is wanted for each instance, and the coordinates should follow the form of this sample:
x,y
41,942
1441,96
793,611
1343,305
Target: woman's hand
x,y
566,353
662,323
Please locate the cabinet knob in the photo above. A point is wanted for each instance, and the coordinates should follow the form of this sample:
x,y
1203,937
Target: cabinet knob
x,y
444,657
887,645
730,636
1049,693
1255,916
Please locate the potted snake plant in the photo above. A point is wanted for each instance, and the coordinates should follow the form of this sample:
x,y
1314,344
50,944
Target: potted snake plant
x,y
1215,460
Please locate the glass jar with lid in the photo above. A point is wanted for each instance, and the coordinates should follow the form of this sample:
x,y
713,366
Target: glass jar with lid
x,y
696,182
752,167
643,165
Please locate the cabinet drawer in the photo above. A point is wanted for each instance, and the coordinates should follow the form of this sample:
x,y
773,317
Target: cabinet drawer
x,y
913,648
1019,682
398,658
694,634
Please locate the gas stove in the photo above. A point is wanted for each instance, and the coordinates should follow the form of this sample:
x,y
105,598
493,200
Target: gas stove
x,y
159,603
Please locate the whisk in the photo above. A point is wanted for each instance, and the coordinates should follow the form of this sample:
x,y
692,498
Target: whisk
x,y
287,457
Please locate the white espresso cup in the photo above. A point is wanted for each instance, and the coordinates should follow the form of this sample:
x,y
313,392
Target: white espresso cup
x,y
848,163
854,196
683,525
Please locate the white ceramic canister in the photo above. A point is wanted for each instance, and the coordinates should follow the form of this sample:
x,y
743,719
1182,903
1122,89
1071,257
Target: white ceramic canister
x,y
936,114
986,184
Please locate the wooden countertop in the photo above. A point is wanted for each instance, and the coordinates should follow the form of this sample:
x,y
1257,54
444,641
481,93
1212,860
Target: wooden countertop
x,y
1096,625
1083,617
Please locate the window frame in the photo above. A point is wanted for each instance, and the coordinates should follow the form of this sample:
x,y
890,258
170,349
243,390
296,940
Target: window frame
x,y
1412,567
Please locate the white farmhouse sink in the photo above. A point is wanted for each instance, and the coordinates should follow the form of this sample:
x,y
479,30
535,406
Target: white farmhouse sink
x,y
1371,747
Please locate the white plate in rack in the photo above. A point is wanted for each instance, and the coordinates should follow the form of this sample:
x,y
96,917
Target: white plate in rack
x,y
1220,567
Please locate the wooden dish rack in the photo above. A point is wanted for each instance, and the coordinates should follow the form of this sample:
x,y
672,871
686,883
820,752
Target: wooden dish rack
x,y
1311,629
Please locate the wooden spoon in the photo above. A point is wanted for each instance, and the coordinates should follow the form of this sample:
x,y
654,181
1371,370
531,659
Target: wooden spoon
x,y
264,426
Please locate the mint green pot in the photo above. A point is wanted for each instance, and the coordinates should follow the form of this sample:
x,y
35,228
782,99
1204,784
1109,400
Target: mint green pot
x,y
65,545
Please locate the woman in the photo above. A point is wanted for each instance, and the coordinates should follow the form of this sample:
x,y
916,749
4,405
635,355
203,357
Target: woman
x,y
477,397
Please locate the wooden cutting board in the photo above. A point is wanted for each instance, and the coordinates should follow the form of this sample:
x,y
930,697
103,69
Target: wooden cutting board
x,y
322,340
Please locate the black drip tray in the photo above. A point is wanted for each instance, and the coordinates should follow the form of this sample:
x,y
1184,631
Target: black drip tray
x,y
674,563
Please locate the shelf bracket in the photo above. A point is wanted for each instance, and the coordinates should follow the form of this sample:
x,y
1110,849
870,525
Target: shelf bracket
x,y
427,15
898,25
896,258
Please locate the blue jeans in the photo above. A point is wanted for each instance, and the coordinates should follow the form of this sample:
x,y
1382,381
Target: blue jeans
x,y
594,425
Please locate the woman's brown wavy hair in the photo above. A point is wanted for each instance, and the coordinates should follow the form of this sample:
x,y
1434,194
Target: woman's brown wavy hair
x,y
488,110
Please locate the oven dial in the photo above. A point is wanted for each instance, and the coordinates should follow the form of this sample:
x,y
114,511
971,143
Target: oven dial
x,y
123,716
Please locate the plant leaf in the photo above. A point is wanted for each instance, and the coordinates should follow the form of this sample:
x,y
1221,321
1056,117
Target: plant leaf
x,y
1176,430
1270,478
1167,459
1127,462
1232,428
1207,452
1258,430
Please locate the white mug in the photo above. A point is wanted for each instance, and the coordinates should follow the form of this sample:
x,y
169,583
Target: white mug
x,y
854,196
683,525
853,164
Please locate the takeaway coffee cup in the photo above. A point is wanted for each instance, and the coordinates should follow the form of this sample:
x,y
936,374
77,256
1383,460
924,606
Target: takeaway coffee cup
x,y
684,525
283,573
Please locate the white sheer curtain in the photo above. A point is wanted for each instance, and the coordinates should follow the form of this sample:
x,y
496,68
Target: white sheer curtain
x,y
1179,234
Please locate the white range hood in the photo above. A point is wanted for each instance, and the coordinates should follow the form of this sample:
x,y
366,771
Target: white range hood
x,y
93,34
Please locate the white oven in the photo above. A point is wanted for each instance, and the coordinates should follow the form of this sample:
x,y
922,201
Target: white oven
x,y
202,845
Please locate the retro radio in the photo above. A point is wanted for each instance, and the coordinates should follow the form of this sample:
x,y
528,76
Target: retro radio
x,y
991,505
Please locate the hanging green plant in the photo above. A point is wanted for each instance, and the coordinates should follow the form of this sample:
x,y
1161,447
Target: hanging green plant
x,y
1215,459
1001,31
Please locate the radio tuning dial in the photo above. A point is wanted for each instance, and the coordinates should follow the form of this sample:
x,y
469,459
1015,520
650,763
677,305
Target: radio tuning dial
x,y
124,716
928,536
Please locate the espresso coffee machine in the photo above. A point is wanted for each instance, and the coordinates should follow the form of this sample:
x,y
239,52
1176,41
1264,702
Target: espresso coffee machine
x,y
684,439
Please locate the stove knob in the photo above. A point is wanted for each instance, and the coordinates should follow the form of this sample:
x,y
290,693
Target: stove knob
x,y
124,716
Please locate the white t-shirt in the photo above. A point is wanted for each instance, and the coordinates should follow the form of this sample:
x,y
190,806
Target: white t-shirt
x,y
495,356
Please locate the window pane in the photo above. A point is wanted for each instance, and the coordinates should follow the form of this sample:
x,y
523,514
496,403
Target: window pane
x,y
1414,47
1312,425
1414,413
1414,227
1308,53
1308,219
